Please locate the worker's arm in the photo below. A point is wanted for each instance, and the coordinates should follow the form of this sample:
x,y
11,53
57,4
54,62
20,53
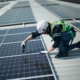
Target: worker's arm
x,y
54,46
33,35
28,38
23,44
50,50
56,37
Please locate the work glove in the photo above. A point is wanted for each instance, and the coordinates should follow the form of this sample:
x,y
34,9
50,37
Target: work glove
x,y
23,44
44,52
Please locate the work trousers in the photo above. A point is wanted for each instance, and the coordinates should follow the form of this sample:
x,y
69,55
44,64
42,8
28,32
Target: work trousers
x,y
65,44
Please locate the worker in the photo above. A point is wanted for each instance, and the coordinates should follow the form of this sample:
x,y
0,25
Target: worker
x,y
61,33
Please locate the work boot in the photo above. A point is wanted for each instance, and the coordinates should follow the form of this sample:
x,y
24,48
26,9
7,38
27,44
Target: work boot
x,y
61,54
79,44
64,54
58,55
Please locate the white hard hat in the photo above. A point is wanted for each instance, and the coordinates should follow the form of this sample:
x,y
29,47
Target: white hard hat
x,y
42,25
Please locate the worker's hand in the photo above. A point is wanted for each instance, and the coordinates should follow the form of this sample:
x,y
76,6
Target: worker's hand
x,y
43,52
23,44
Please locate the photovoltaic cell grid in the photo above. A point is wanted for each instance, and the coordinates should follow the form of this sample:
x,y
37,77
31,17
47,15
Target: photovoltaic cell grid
x,y
64,12
21,30
1,38
17,16
76,25
3,32
2,5
46,3
21,4
15,48
18,34
19,67
17,37
32,46
18,30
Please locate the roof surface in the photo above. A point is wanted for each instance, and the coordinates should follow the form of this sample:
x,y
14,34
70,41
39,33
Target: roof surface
x,y
67,68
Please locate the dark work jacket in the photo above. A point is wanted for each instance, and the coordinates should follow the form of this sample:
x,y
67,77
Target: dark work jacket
x,y
57,29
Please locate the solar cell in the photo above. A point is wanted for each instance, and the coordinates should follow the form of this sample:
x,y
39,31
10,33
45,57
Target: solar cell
x,y
18,67
5,23
20,30
17,16
1,38
3,32
17,37
15,48
76,25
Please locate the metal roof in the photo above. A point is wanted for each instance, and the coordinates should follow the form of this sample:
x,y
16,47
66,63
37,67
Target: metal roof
x,y
67,68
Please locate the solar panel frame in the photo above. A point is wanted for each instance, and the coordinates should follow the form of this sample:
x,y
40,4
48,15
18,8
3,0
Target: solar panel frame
x,y
38,78
43,78
17,16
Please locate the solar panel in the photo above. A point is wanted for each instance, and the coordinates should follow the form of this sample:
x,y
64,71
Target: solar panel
x,y
21,4
15,48
64,12
24,66
20,30
1,38
17,16
14,64
3,32
76,25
